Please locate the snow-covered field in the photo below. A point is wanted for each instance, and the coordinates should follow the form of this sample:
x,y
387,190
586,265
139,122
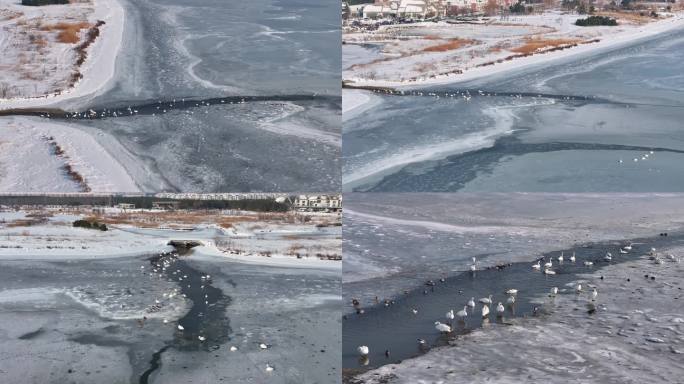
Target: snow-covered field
x,y
40,59
48,234
34,153
437,53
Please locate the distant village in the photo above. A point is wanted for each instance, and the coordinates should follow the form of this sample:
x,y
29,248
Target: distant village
x,y
438,9
178,201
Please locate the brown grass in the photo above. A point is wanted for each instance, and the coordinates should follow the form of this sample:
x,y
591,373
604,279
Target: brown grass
x,y
533,45
69,33
449,46
633,17
156,219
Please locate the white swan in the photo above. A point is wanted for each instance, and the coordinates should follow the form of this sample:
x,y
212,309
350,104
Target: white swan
x,y
363,350
450,315
608,257
486,300
537,266
500,309
415,311
512,291
549,272
444,328
560,258
180,327
233,348
554,291
594,294
201,338
462,314
548,264
628,247
588,263
269,368
510,300
623,251
263,346
578,288
572,258
471,302
485,311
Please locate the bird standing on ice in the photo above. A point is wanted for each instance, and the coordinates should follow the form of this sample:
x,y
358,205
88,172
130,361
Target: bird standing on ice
x,y
485,311
471,302
560,258
554,291
462,314
443,328
594,294
363,350
578,288
500,309
510,300
486,300
450,315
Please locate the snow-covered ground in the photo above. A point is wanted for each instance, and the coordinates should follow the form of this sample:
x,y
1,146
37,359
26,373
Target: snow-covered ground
x,y
421,54
29,160
50,236
38,68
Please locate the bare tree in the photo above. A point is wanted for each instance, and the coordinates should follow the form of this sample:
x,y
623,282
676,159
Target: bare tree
x,y
491,7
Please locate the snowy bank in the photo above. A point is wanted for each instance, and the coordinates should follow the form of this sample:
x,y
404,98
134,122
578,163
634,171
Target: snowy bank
x,y
485,52
36,155
98,68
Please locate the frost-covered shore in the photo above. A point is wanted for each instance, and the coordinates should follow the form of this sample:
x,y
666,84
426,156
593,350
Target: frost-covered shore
x,y
431,54
48,234
54,57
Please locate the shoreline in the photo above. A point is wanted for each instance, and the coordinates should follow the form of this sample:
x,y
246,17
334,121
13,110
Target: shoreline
x,y
616,41
99,67
61,145
213,253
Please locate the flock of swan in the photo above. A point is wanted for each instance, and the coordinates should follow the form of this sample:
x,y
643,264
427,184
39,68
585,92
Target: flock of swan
x,y
130,111
164,264
543,265
643,157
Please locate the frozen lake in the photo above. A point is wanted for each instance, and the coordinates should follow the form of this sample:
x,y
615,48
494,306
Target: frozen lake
x,y
85,321
568,126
